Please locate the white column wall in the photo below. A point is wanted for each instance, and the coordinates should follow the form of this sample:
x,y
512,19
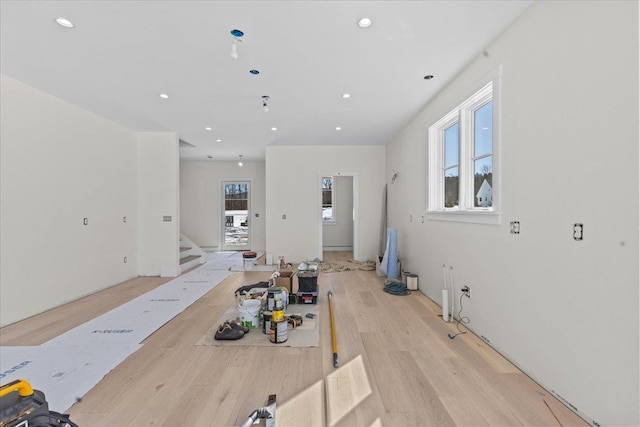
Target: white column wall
x,y
293,189
565,312
201,200
59,165
158,197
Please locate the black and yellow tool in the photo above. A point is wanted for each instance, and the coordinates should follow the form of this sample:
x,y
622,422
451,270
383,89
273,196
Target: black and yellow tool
x,y
334,344
21,405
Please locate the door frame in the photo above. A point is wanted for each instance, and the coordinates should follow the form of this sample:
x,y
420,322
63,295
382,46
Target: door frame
x,y
356,214
221,212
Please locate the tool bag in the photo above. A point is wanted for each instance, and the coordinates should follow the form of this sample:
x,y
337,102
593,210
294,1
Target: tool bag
x,y
21,405
243,290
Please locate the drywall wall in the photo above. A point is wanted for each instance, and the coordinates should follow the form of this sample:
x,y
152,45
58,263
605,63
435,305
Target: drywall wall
x,y
565,311
338,234
293,176
201,200
158,201
59,165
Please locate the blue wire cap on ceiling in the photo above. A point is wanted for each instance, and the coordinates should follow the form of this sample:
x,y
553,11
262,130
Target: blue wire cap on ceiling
x,y
254,72
237,33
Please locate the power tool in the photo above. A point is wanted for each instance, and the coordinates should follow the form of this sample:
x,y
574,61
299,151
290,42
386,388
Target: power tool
x,y
22,406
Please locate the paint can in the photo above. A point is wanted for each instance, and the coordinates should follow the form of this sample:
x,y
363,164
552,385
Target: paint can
x,y
277,316
404,276
278,333
412,282
275,299
266,322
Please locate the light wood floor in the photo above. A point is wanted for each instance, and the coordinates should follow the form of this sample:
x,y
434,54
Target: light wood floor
x,y
397,366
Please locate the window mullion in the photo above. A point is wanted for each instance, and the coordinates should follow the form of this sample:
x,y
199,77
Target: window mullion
x,y
466,131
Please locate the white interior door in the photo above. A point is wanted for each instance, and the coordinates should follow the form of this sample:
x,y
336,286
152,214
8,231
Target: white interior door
x,y
236,215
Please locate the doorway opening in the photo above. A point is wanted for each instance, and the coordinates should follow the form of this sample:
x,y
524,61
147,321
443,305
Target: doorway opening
x,y
338,219
236,215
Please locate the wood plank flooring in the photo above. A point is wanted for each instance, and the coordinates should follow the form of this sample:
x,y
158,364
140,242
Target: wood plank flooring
x,y
397,366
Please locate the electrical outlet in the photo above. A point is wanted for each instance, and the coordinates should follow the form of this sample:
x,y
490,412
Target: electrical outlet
x,y
515,227
578,230
466,291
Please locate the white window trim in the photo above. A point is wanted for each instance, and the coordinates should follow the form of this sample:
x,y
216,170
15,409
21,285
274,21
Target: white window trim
x,y
465,212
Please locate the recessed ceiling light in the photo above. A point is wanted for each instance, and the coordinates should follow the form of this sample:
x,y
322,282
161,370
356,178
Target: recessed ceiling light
x,y
428,77
65,23
365,22
338,128
254,72
208,128
218,140
346,95
274,129
164,96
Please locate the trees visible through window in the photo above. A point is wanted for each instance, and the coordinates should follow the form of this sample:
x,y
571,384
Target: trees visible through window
x,y
328,199
462,160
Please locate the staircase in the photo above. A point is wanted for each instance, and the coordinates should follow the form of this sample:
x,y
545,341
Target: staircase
x,y
190,254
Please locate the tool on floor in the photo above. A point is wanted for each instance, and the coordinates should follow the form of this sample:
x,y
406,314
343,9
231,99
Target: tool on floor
x,y
268,413
334,345
21,405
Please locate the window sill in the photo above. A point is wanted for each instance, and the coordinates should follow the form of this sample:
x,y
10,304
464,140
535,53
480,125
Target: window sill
x,y
477,217
329,222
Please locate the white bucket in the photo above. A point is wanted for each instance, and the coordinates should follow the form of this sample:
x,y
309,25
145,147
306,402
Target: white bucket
x,y
249,310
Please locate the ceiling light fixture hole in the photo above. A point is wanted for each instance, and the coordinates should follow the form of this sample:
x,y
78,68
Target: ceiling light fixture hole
x,y
365,22
65,23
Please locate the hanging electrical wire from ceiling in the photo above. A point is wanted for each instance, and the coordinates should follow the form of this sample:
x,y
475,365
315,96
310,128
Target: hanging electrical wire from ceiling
x,y
237,34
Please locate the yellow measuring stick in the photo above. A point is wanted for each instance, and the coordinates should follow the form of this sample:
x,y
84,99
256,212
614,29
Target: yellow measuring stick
x,y
333,331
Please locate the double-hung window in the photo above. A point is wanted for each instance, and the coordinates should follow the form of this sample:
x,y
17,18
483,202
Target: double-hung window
x,y
463,152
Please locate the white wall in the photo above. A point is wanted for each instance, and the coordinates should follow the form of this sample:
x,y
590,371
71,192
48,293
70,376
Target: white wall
x,y
59,165
566,312
293,176
201,200
158,197
338,235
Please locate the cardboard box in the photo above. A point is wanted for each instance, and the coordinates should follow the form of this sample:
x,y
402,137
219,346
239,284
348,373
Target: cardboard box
x,y
286,280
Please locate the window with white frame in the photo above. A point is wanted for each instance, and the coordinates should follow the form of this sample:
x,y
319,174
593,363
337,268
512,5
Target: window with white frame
x,y
463,150
328,199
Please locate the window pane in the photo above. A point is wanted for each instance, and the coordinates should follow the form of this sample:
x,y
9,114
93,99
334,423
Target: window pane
x,y
483,182
483,129
327,198
451,136
451,181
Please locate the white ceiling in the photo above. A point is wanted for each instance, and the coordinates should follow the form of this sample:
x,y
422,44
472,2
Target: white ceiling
x,y
122,54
